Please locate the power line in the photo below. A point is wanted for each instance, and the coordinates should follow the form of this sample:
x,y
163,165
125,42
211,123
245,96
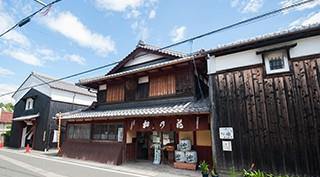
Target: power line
x,y
28,18
241,23
60,79
250,20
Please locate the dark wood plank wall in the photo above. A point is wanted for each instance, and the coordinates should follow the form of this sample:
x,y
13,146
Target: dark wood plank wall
x,y
276,119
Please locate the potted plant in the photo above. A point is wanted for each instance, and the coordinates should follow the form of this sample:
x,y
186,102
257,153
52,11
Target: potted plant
x,y
204,168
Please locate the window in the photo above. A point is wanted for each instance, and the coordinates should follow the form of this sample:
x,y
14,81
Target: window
x,y
115,93
109,131
29,104
79,131
276,62
143,87
162,85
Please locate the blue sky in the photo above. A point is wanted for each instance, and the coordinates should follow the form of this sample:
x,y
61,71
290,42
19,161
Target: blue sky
x,y
81,34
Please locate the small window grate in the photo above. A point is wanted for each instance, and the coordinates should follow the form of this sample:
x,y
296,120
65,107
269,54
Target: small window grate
x,y
276,63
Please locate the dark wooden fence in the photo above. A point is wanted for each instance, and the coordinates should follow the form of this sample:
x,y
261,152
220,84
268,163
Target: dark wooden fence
x,y
276,119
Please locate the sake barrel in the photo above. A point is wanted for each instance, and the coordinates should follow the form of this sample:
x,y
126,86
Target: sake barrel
x,y
180,156
185,145
191,157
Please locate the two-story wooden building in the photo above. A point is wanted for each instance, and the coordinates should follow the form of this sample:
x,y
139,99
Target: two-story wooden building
x,y
151,95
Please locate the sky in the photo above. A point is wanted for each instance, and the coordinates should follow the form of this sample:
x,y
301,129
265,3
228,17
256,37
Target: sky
x,y
76,35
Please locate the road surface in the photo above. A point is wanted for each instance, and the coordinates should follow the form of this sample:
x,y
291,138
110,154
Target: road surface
x,y
18,164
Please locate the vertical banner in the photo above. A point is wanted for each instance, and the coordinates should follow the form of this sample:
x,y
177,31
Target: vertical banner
x,y
120,134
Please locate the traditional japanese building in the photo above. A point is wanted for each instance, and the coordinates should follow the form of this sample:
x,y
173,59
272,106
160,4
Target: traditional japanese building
x,y
35,107
151,97
265,95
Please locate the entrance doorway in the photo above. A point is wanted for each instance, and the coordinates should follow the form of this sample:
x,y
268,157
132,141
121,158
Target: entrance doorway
x,y
27,135
143,145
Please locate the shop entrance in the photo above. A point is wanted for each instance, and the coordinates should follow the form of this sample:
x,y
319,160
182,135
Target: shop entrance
x,y
146,142
143,145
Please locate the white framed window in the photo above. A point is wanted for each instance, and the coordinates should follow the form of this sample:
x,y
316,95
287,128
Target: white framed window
x,y
276,61
143,80
29,104
103,87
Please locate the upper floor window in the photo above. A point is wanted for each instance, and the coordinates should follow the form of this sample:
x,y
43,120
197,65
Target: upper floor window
x,y
29,104
143,87
162,85
276,62
115,93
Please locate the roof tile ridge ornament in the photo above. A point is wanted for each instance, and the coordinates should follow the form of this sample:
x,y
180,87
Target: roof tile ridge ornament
x,y
141,43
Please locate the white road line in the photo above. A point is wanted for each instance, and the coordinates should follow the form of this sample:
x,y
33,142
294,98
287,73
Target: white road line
x,y
30,167
80,165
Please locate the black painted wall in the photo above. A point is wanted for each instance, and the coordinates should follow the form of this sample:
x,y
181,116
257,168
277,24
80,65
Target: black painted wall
x,y
41,105
45,123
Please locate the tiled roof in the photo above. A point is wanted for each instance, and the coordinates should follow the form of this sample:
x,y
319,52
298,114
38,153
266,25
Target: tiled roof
x,y
267,36
157,49
162,108
141,69
63,85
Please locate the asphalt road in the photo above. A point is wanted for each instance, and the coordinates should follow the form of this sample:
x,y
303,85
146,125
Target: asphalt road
x,y
24,165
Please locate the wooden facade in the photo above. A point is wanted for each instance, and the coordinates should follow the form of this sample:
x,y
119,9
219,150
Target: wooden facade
x,y
118,152
149,104
177,82
275,117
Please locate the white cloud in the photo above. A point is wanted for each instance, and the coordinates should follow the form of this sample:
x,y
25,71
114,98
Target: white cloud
x,y
6,88
141,29
247,6
253,6
23,56
178,33
5,72
285,3
310,19
71,27
75,58
152,14
137,11
118,5
13,37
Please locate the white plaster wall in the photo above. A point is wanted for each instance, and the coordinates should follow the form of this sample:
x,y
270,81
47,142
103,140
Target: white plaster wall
x,y
142,59
70,97
306,46
32,81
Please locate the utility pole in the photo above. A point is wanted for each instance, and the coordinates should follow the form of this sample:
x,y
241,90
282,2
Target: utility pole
x,y
59,131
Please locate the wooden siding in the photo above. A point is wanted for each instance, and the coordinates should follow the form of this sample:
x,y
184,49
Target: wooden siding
x,y
107,152
276,118
162,85
185,84
115,93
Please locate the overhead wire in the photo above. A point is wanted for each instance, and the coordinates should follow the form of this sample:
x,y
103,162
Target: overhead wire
x,y
246,21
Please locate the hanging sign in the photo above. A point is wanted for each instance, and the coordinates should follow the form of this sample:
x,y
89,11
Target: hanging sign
x,y
120,134
226,133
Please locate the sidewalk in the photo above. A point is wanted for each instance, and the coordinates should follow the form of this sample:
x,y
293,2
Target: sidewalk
x,y
141,167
